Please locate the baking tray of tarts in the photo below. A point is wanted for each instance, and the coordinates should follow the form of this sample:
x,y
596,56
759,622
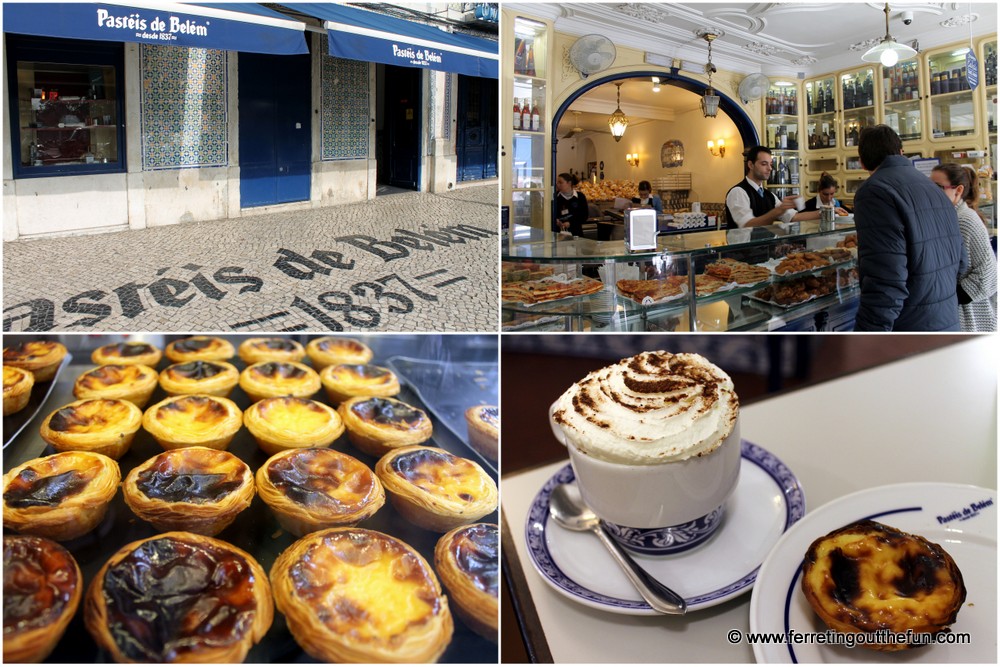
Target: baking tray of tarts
x,y
37,393
256,531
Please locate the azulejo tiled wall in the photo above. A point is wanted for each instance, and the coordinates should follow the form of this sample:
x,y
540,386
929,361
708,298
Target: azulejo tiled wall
x,y
183,107
344,109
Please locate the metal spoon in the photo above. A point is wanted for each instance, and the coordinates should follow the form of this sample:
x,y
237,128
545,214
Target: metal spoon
x,y
569,510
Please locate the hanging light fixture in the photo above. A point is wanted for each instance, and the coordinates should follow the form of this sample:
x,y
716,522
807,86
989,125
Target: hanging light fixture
x,y
888,51
710,101
618,121
656,84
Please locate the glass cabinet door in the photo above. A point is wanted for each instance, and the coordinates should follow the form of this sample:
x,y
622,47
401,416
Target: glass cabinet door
x,y
781,119
990,80
901,100
821,109
528,119
951,105
857,89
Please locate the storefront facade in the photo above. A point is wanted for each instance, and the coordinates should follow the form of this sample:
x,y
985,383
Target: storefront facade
x,y
131,133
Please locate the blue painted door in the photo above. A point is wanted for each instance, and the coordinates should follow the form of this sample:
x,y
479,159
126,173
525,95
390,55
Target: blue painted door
x,y
403,119
275,137
477,128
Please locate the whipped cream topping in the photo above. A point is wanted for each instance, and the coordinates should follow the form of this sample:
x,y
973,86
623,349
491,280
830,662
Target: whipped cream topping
x,y
655,407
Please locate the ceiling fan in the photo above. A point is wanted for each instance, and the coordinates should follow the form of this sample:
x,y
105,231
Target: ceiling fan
x,y
576,126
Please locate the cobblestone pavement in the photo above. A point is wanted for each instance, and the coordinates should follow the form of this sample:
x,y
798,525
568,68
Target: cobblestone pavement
x,y
405,262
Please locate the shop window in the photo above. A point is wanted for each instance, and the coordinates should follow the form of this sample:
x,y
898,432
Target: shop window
x,y
66,106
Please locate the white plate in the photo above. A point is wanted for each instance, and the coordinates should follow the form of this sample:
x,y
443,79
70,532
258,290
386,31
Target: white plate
x,y
942,513
767,500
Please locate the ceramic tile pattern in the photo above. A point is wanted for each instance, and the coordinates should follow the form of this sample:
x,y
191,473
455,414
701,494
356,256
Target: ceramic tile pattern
x,y
311,269
183,107
345,108
448,86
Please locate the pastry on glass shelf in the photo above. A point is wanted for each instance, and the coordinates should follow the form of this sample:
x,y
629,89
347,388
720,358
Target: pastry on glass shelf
x,y
200,348
100,425
435,489
42,587
41,357
467,560
179,597
379,425
127,353
256,350
62,496
268,379
17,384
345,381
287,422
129,382
197,489
313,489
332,350
356,595
484,429
215,378
193,420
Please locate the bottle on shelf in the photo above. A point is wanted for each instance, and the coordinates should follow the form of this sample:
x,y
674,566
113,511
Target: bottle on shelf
x,y
820,99
824,138
517,114
833,136
869,91
886,84
829,97
529,66
526,114
520,56
536,118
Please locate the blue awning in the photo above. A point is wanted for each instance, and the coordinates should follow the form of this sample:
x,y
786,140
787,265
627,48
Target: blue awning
x,y
362,35
224,26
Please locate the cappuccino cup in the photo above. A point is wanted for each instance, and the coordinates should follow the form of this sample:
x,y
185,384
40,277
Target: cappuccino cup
x,y
654,442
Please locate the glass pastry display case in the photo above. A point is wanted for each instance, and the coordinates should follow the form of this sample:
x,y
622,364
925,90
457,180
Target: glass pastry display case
x,y
790,276
259,530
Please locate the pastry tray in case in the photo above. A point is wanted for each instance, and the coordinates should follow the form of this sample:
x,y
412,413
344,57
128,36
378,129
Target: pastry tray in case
x,y
448,390
255,530
13,424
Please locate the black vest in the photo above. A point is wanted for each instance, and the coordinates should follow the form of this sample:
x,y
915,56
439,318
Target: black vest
x,y
759,205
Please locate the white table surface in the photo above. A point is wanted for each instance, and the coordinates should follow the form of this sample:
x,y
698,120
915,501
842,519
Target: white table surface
x,y
931,417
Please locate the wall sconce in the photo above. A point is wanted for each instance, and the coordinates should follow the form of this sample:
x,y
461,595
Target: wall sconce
x,y
720,144
632,159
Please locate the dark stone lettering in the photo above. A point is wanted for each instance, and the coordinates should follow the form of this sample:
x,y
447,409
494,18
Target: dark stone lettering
x,y
472,231
207,288
342,302
333,259
328,322
166,290
100,311
227,276
290,261
411,242
384,249
41,315
128,298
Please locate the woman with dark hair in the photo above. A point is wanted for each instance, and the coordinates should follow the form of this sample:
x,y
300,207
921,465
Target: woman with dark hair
x,y
977,287
647,198
571,207
825,197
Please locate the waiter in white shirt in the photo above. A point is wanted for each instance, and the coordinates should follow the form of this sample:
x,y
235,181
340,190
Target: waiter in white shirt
x,y
749,203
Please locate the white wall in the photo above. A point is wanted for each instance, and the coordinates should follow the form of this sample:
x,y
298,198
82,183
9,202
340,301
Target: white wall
x,y
712,176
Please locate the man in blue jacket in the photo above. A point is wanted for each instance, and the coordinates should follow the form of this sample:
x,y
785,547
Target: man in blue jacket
x,y
909,244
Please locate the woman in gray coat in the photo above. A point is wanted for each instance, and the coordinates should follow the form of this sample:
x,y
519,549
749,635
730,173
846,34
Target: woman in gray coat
x,y
977,287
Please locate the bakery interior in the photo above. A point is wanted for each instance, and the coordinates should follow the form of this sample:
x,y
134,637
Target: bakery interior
x,y
441,377
618,96
845,413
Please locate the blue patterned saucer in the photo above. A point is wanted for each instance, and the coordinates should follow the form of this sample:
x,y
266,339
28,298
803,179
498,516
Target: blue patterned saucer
x,y
768,499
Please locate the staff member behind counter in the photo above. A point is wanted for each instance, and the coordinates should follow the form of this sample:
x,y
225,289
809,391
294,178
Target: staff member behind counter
x,y
571,207
749,204
827,190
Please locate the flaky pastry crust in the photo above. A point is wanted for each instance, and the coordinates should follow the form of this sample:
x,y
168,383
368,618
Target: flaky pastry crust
x,y
127,353
256,350
287,422
41,357
129,382
17,384
42,587
867,577
314,489
484,429
356,595
193,420
269,379
213,598
100,425
62,496
214,378
345,381
379,425
332,350
467,560
196,489
435,489
200,348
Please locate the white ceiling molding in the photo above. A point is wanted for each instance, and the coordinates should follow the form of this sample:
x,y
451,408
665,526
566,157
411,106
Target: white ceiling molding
x,y
645,11
958,21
